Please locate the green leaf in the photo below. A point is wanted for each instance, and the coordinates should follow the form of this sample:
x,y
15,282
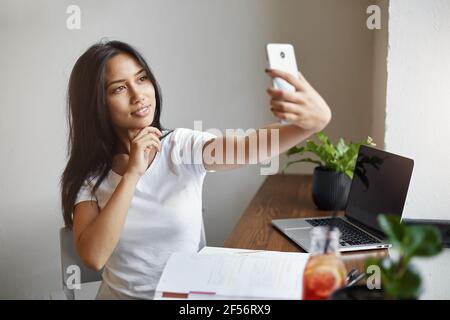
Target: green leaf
x,y
301,160
349,173
422,241
391,225
349,157
323,138
370,261
295,150
339,158
341,148
311,146
324,154
405,286
399,279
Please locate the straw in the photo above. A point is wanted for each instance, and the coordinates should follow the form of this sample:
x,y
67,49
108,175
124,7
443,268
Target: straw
x,y
330,228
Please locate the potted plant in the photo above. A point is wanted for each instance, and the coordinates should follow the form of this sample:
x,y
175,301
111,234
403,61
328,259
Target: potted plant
x,y
334,171
398,277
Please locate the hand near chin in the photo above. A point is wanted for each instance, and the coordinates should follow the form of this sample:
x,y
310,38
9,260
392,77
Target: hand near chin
x,y
146,140
133,132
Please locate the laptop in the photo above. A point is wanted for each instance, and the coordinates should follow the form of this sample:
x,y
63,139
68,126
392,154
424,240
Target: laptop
x,y
380,185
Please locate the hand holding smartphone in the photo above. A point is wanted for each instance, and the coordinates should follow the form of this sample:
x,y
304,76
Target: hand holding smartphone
x,y
282,57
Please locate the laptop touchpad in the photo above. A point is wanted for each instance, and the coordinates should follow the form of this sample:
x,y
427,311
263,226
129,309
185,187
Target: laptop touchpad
x,y
301,236
286,224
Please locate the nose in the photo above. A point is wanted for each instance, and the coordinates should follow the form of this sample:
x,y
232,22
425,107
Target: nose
x,y
136,96
138,99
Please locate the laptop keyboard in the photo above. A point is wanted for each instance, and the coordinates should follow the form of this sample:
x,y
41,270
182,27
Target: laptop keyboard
x,y
349,234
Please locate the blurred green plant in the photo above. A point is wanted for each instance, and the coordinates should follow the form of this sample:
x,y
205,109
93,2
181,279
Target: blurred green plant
x,y
340,157
399,279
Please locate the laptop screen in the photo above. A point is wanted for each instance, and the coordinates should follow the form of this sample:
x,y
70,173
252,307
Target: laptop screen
x,y
380,185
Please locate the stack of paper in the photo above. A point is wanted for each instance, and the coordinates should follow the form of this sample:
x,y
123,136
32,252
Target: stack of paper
x,y
221,273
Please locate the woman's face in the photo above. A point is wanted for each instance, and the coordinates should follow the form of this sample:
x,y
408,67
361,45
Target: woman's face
x,y
130,95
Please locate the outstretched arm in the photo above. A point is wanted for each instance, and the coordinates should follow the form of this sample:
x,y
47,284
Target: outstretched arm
x,y
305,110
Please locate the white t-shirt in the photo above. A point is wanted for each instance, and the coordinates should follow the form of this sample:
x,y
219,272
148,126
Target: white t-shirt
x,y
165,216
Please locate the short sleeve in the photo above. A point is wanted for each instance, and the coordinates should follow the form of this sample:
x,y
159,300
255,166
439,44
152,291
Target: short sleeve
x,y
191,144
84,194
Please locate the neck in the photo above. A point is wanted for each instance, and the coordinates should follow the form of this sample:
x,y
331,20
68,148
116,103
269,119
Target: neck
x,y
125,136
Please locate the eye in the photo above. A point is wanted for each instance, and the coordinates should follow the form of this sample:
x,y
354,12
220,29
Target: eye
x,y
143,78
119,89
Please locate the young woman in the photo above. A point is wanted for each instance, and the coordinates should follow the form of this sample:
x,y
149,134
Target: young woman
x,y
129,201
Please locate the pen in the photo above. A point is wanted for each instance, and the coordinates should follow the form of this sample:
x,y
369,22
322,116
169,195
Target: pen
x,y
356,279
351,274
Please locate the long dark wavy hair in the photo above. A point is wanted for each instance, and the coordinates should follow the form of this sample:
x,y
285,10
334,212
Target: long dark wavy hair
x,y
92,140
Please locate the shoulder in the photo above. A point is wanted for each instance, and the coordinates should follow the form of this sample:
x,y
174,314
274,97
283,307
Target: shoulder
x,y
85,192
187,151
186,134
180,133
93,178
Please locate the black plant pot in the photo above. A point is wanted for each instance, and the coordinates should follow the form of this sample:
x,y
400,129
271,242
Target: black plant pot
x,y
330,189
359,292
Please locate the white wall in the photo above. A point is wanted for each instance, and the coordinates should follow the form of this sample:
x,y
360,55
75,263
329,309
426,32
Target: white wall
x,y
380,43
418,101
209,58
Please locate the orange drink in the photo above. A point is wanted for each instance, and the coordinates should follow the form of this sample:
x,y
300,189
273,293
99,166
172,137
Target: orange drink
x,y
324,272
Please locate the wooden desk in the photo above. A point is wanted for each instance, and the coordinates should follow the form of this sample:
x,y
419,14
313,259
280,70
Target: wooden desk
x,y
281,197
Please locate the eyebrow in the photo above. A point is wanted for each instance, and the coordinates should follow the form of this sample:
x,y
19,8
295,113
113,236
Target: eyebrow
x,y
123,80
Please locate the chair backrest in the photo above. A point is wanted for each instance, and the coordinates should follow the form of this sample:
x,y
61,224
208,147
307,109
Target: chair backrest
x,y
202,237
70,258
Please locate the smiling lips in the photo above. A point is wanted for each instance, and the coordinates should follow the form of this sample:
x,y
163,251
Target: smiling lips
x,y
141,112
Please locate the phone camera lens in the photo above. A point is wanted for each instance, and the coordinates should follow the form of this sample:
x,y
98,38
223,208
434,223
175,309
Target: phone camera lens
x,y
282,54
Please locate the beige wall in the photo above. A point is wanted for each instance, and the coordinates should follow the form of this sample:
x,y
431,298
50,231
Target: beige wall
x,y
209,58
335,51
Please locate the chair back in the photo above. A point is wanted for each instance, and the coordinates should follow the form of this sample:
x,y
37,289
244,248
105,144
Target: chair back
x,y
70,261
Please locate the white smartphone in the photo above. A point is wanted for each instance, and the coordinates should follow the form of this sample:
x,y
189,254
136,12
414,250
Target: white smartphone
x,y
281,56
